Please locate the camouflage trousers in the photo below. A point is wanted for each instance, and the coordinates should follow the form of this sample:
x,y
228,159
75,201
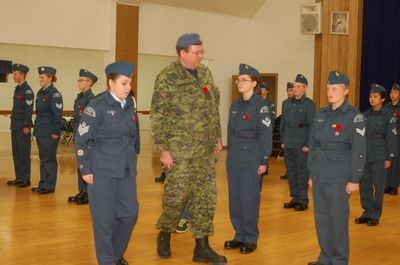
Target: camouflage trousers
x,y
190,182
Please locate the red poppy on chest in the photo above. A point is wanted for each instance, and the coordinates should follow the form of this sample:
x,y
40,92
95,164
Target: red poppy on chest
x,y
19,97
246,116
205,89
338,127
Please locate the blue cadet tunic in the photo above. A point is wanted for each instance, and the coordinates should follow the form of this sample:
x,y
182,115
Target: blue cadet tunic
x,y
249,146
21,118
393,173
336,157
381,146
107,143
81,101
295,128
49,111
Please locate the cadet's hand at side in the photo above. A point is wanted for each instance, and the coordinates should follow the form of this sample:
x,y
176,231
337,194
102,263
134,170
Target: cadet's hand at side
x,y
310,182
387,164
218,147
351,187
26,130
305,149
54,136
166,159
88,178
262,169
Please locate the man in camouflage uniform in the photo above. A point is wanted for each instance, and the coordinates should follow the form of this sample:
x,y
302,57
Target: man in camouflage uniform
x,y
186,130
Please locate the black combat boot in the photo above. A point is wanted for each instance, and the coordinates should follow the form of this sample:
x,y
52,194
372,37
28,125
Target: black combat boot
x,y
204,253
163,245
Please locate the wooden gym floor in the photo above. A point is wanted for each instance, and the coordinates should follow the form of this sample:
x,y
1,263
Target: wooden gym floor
x,y
45,229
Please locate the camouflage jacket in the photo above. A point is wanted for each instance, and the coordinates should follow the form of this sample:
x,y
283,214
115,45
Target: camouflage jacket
x,y
184,111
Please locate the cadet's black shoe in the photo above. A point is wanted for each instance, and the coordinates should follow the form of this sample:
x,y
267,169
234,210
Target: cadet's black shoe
x,y
361,220
248,248
121,261
74,198
283,176
83,199
387,189
23,184
232,244
300,207
13,182
372,222
290,205
163,245
161,178
204,253
393,191
45,191
35,189
314,263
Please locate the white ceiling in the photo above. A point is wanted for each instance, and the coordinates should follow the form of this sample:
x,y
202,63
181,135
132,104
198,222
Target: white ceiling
x,y
238,8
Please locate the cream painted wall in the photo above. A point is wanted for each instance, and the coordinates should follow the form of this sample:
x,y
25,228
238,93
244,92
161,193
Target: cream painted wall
x,y
73,23
81,36
271,42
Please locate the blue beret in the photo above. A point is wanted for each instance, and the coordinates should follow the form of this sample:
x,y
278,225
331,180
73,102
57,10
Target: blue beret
x,y
20,67
396,86
188,39
265,85
289,85
46,70
337,78
376,88
245,69
120,67
301,79
86,73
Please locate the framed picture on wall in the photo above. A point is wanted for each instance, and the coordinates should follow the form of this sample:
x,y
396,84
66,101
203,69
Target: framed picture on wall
x,y
339,22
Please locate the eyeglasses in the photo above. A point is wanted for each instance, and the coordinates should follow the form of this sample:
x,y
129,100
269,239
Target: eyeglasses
x,y
244,81
82,80
196,53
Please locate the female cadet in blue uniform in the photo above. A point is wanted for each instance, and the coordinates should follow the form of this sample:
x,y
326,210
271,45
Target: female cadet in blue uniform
x,y
249,147
107,144
336,162
85,82
49,110
21,123
381,148
393,173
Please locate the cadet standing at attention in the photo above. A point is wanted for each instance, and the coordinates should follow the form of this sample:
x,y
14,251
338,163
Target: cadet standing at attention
x,y
336,162
21,123
249,148
393,173
49,111
289,93
295,128
85,82
264,94
107,143
381,149
186,130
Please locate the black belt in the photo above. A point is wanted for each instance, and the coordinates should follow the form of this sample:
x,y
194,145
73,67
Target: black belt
x,y
246,134
114,141
334,146
376,136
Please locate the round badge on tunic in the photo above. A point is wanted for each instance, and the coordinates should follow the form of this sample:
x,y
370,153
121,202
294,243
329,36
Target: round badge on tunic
x,y
80,152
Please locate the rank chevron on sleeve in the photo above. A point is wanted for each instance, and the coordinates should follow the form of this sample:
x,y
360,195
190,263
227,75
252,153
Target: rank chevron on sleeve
x,y
361,131
83,128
